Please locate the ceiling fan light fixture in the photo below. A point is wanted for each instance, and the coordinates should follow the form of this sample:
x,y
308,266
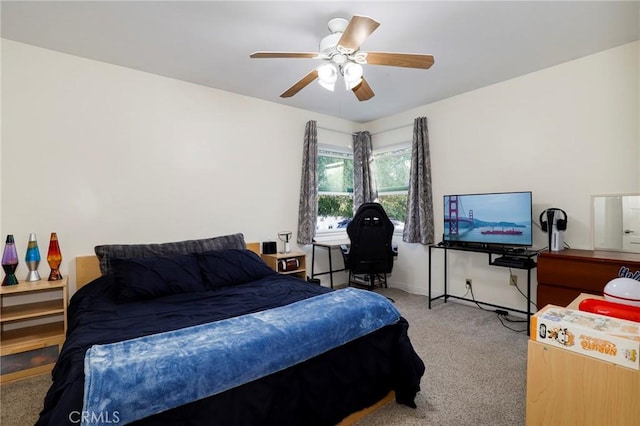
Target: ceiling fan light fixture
x,y
329,86
352,73
327,76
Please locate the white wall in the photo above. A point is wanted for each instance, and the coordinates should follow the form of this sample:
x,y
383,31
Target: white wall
x,y
105,154
564,133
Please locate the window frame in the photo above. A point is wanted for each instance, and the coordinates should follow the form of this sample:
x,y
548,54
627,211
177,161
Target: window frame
x,y
345,151
401,146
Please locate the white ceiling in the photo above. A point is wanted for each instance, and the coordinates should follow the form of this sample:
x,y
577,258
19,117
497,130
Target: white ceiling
x,y
474,43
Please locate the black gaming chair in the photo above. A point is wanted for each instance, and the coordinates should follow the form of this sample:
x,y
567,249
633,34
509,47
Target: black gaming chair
x,y
371,252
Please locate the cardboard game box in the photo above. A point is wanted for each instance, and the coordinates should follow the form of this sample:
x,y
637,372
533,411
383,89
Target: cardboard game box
x,y
606,338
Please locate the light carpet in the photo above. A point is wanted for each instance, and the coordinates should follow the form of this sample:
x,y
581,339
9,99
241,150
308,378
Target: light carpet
x,y
475,371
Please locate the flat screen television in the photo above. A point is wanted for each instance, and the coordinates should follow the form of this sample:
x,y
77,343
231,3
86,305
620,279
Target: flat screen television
x,y
500,219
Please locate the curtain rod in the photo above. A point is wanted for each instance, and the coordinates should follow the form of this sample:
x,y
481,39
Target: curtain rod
x,y
376,133
392,129
334,130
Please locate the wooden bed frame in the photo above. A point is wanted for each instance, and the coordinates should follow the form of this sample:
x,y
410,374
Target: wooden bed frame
x,y
88,269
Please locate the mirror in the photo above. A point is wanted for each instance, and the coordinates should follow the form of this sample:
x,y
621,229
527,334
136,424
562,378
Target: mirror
x,y
616,222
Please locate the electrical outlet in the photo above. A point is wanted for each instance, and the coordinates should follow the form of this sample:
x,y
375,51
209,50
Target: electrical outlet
x,y
467,283
513,280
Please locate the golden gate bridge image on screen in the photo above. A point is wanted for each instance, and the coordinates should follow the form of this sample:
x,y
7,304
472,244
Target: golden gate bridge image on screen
x,y
456,216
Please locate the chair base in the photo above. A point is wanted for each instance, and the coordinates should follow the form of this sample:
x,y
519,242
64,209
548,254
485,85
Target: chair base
x,y
368,280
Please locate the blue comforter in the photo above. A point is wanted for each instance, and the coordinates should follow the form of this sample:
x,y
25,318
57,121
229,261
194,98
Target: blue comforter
x,y
140,377
319,391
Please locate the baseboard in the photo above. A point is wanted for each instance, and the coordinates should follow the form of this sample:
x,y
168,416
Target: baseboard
x,y
413,289
409,288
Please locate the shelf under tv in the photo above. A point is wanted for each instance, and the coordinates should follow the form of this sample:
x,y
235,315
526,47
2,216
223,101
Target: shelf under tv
x,y
489,248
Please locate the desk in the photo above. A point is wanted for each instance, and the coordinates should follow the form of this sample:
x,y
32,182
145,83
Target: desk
x,y
528,264
329,245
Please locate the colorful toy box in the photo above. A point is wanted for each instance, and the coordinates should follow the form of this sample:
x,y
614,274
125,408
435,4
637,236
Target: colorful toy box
x,y
606,338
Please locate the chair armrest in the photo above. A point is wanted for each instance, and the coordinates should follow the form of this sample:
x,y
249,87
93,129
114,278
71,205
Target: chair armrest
x,y
344,249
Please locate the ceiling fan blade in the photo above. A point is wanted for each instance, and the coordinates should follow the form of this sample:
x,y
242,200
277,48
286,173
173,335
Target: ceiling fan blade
x,y
284,55
358,30
363,91
409,60
301,84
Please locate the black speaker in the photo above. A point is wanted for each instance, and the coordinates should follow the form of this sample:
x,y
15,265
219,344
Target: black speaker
x,y
549,215
269,247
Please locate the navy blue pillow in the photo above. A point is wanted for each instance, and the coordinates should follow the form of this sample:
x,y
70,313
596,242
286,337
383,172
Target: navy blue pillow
x,y
230,267
138,251
149,278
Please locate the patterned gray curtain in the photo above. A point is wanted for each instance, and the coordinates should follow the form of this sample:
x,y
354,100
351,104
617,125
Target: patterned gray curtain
x,y
364,186
308,206
418,226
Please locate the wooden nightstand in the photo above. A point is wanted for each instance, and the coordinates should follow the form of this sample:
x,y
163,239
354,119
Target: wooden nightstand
x,y
27,345
275,262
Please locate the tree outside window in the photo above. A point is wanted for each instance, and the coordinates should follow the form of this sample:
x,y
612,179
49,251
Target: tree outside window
x,y
391,168
335,188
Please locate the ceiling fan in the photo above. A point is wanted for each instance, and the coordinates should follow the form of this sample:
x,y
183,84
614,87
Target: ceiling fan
x,y
341,54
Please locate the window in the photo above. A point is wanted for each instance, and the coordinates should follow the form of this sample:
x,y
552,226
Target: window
x,y
335,187
391,167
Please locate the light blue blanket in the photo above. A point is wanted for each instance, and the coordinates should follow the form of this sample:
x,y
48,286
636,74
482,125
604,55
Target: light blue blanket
x,y
136,378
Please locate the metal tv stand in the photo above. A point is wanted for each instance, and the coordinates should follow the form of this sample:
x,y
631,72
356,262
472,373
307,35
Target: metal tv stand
x,y
498,256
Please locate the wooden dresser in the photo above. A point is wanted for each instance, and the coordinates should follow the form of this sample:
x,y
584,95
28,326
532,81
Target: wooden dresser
x,y
563,275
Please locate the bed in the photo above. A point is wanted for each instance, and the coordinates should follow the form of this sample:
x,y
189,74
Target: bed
x,y
184,290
